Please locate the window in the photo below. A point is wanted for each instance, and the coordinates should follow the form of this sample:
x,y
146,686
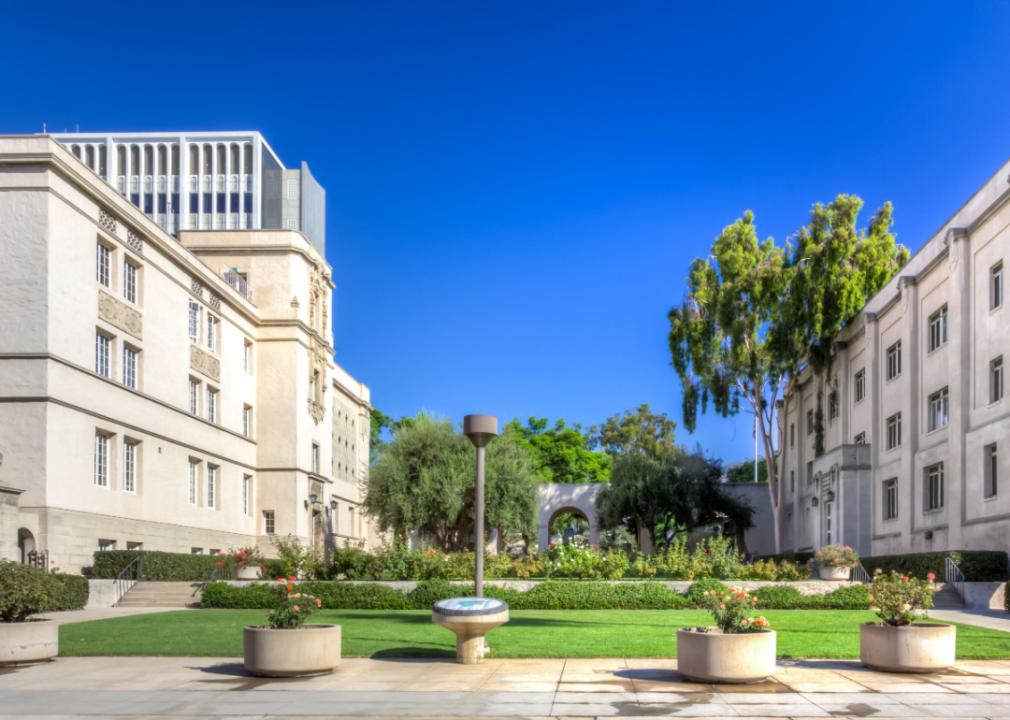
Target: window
x,y
101,460
246,420
996,286
130,466
211,333
134,545
938,405
792,434
315,457
292,189
196,551
996,379
861,438
894,431
860,385
810,471
246,486
211,485
130,367
194,396
103,350
106,544
194,320
894,361
890,499
212,404
247,356
833,405
193,481
792,482
991,473
938,329
103,258
268,522
933,492
130,273
810,422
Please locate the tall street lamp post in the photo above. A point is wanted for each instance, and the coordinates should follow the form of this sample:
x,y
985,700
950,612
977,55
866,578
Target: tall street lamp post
x,y
481,429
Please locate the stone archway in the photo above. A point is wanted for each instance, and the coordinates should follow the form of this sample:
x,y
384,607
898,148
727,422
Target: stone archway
x,y
556,498
26,543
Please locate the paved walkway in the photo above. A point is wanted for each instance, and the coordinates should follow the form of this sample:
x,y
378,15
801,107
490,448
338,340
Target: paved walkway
x,y
992,619
72,616
178,688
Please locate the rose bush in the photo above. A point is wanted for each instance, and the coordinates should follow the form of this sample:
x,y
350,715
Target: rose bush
x,y
731,609
292,607
901,599
841,556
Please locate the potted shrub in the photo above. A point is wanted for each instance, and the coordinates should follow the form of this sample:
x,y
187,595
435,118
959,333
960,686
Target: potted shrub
x,y
24,591
899,643
836,561
247,563
287,646
740,649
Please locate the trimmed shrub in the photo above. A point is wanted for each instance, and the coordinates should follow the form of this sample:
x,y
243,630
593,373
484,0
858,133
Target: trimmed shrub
x,y
977,565
598,596
161,566
428,592
24,591
780,597
696,593
252,596
848,597
66,592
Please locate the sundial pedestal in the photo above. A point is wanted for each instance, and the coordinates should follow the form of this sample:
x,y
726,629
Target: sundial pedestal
x,y
471,618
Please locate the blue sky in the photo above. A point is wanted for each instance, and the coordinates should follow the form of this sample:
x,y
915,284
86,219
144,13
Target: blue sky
x,y
515,189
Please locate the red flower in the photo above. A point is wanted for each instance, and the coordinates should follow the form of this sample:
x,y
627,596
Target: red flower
x,y
290,588
281,580
931,576
219,564
291,578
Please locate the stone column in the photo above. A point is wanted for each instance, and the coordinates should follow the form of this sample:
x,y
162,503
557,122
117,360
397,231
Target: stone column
x,y
909,482
960,391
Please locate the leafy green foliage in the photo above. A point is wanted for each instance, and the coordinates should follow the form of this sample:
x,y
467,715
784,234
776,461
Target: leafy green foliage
x,y
562,453
680,491
640,432
292,606
977,565
731,609
699,590
157,565
379,422
743,472
23,592
423,481
901,599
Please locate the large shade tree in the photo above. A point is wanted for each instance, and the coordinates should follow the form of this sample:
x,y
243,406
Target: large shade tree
x,y
657,497
638,431
561,453
756,310
423,481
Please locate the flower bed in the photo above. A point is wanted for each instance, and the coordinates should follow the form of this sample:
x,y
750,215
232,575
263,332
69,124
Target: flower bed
x,y
547,595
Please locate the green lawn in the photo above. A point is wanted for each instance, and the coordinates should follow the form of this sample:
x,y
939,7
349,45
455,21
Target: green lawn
x,y
530,633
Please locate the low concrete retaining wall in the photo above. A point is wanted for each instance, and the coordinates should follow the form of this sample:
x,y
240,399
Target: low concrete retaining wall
x,y
985,595
101,594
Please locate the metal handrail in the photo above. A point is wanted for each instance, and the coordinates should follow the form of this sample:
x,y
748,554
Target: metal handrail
x,y
129,576
952,575
860,575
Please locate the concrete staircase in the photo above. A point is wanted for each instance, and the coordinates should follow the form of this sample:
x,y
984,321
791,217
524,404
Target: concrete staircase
x,y
161,594
946,598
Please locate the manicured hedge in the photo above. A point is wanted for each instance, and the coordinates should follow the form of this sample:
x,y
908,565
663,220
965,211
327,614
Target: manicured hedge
x,y
160,566
550,595
66,592
977,565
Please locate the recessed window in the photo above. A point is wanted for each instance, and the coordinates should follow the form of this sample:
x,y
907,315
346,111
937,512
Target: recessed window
x,y
810,422
196,551
131,274
106,544
810,471
889,501
894,361
247,356
268,522
861,438
246,420
792,482
933,490
194,396
212,404
246,490
315,457
792,434
194,320
991,471
894,431
859,384
996,286
938,406
938,329
130,466
211,333
211,486
130,356
103,265
194,481
101,460
833,405
996,379
103,354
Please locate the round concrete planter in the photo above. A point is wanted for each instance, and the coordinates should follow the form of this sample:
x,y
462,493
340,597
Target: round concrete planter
x,y
309,650
916,648
247,572
27,642
710,655
833,572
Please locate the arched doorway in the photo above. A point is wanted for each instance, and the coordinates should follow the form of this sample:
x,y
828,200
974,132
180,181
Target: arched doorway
x,y
578,499
569,526
26,543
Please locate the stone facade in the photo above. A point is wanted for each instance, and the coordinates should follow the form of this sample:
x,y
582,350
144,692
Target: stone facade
x,y
915,417
147,398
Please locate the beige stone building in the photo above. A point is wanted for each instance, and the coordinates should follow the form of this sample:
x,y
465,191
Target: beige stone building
x,y
158,392
915,418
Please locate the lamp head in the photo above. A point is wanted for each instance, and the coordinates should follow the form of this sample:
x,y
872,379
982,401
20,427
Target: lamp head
x,y
480,428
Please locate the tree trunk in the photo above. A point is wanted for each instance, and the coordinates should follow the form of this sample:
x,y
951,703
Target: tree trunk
x,y
774,479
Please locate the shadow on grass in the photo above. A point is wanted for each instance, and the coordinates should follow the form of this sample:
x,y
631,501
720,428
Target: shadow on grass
x,y
425,619
414,653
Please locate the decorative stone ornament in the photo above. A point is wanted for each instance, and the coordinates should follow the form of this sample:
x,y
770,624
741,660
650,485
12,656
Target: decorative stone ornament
x,y
204,362
116,312
107,221
710,655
